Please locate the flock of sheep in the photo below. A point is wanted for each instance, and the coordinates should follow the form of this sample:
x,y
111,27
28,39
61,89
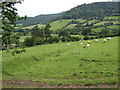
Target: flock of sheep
x,y
89,42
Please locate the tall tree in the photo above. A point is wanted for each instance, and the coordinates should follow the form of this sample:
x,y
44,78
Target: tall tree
x,y
9,18
86,31
47,31
37,32
64,33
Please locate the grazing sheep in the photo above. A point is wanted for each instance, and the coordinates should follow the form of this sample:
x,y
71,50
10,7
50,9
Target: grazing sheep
x,y
109,38
96,40
89,42
81,43
88,45
84,46
68,44
104,40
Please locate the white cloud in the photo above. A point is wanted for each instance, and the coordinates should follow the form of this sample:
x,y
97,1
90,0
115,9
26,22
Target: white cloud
x,y
37,7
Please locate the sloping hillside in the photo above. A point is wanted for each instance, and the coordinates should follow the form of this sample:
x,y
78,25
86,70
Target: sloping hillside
x,y
38,19
98,9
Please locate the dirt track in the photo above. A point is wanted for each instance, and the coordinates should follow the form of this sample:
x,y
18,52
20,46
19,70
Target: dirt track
x,y
33,84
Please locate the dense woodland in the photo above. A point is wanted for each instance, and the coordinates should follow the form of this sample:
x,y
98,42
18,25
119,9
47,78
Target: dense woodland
x,y
98,9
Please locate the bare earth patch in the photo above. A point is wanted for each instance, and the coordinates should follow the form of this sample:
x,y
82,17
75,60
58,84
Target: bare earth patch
x,y
15,83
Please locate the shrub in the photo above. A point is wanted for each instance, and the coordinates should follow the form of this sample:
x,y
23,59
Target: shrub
x,y
55,39
29,41
75,38
91,37
63,39
86,38
39,41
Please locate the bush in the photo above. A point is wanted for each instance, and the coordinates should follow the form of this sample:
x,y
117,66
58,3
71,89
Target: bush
x,y
29,41
91,37
55,39
86,38
39,41
63,39
75,38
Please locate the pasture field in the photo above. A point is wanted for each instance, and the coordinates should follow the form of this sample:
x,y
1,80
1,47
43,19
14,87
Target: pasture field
x,y
112,17
59,24
100,28
91,21
30,27
59,64
113,27
105,22
81,20
70,26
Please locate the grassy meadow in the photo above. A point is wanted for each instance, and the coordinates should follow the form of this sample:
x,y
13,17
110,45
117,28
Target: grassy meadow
x,y
59,64
59,24
112,18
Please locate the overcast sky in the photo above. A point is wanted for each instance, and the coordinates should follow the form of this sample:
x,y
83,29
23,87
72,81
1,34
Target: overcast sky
x,y
33,8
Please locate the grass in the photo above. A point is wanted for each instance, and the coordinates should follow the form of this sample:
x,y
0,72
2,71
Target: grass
x,y
30,27
91,21
70,26
113,27
112,17
59,24
100,28
22,38
105,22
81,20
65,65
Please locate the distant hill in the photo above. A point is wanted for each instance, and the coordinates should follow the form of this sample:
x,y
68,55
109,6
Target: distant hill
x,y
98,9
85,11
39,19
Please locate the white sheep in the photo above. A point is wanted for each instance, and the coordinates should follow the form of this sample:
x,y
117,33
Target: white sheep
x,y
68,44
104,40
81,43
89,42
84,46
88,45
96,40
109,38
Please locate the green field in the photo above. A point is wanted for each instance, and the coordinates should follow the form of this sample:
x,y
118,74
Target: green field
x,y
30,27
100,28
81,20
114,27
59,64
112,17
70,26
91,21
59,24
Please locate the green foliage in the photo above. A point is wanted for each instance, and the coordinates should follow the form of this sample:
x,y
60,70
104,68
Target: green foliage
x,y
98,9
47,31
36,32
86,31
29,41
38,41
72,38
9,18
105,30
64,33
55,39
86,37
40,19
